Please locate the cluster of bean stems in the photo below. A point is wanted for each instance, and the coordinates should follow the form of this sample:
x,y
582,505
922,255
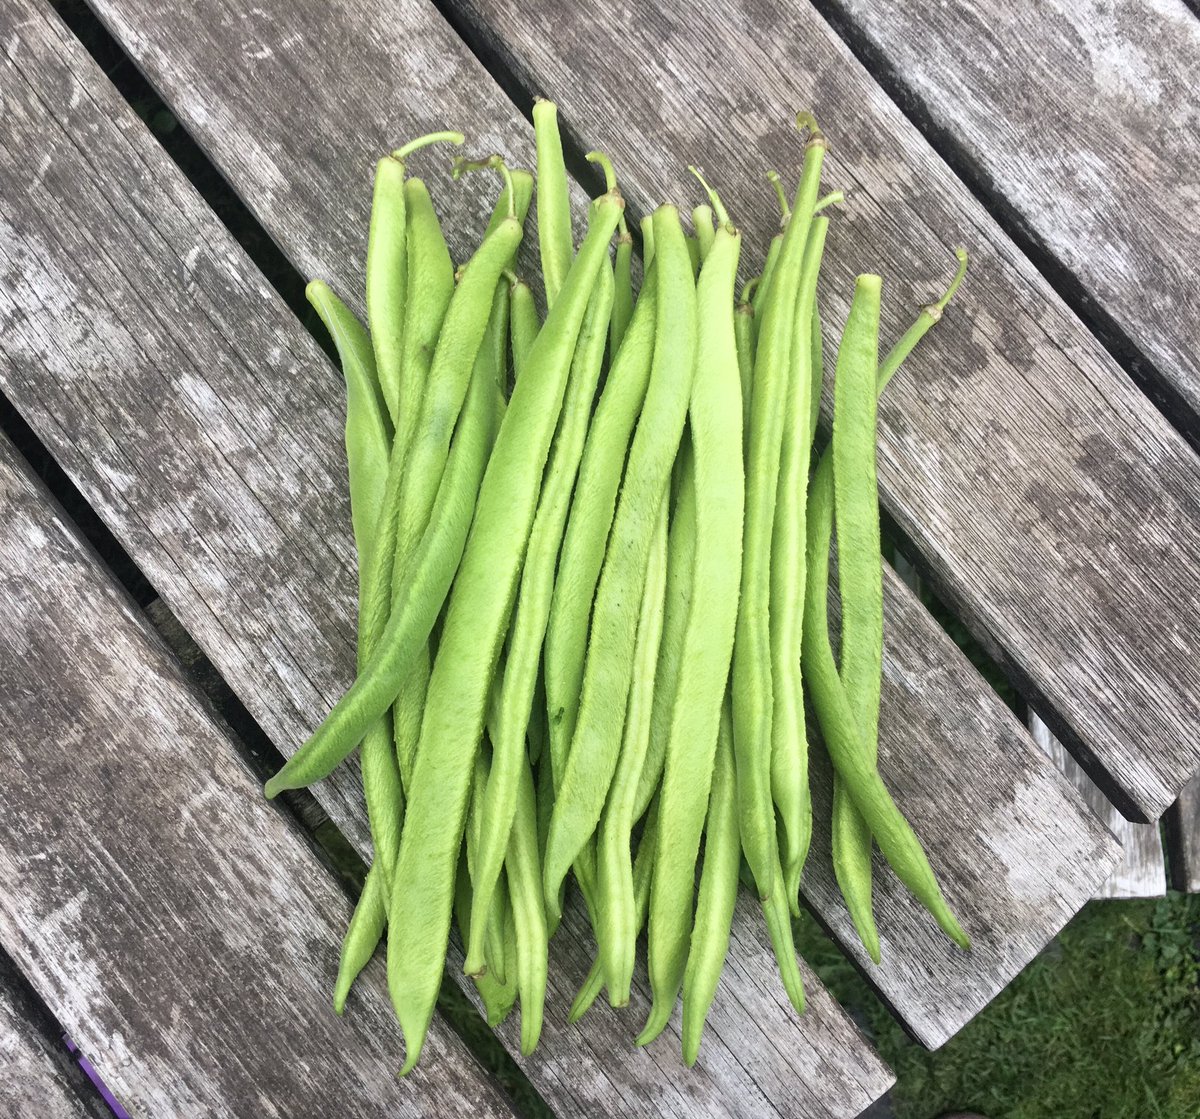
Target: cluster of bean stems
x,y
593,590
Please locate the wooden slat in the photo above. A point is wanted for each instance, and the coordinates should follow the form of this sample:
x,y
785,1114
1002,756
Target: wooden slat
x,y
180,930
1084,116
951,710
34,1080
185,401
1141,871
1052,505
1184,832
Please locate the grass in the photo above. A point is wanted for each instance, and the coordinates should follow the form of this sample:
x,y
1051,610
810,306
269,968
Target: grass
x,y
1104,1024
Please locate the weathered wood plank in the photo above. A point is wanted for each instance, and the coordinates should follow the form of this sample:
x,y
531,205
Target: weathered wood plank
x,y
1141,871
181,931
944,725
1084,117
1184,832
1050,502
34,1080
187,403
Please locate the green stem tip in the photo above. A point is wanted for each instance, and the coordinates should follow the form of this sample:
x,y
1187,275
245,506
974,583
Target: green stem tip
x,y
834,197
785,207
713,197
610,183
805,121
463,166
405,150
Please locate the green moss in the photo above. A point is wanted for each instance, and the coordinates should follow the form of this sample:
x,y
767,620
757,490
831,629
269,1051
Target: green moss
x,y
1105,1024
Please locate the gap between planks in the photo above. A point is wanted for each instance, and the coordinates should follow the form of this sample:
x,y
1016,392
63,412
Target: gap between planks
x,y
259,511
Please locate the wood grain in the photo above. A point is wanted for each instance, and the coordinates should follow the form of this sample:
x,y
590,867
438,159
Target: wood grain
x,y
1084,117
1184,832
180,930
1049,501
944,718
37,1078
1141,871
203,423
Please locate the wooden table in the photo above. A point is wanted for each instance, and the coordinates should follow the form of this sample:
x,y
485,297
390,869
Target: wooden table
x,y
1038,464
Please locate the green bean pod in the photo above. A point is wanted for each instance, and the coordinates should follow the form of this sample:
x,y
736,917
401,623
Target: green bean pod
x,y
427,573
555,240
618,931
789,742
524,870
718,893
430,286
498,998
702,223
524,323
623,293
595,744
647,228
387,271
845,740
851,838
386,276
752,681
677,601
643,871
528,628
743,328
479,609
589,522
363,934
716,472
860,583
368,452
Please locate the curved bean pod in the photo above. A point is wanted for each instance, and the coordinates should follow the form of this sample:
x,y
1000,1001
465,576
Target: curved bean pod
x,y
524,870
426,579
594,746
718,893
851,837
528,629
752,683
847,745
368,454
789,742
588,524
524,323
716,472
555,241
618,931
643,871
387,266
677,601
479,609
367,923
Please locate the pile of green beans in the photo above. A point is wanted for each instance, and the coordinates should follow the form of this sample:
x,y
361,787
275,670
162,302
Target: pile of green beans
x,y
594,572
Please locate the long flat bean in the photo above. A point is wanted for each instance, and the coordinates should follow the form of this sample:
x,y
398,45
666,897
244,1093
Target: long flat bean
x,y
789,743
589,522
595,744
479,608
533,600
426,578
617,934
844,738
718,893
714,413
752,682
553,200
